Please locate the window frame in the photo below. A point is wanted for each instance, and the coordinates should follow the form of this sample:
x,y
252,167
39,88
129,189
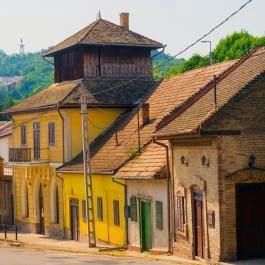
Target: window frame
x,y
100,215
159,215
180,214
23,135
116,213
133,208
51,138
84,211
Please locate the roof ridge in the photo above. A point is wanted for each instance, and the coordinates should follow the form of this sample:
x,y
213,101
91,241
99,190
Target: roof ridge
x,y
90,27
131,31
201,69
76,33
204,90
214,111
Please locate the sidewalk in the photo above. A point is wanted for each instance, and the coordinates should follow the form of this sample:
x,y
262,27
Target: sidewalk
x,y
36,241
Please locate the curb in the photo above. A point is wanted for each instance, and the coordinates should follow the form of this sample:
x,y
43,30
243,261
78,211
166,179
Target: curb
x,y
115,253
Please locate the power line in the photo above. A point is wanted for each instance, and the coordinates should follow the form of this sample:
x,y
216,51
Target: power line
x,y
182,51
161,64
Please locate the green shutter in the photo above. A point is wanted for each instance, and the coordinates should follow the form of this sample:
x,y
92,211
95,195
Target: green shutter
x,y
159,215
133,208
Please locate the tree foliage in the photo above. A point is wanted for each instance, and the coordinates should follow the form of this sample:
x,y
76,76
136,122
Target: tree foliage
x,y
234,46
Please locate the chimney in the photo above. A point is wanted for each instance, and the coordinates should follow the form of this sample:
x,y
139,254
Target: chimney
x,y
124,20
145,113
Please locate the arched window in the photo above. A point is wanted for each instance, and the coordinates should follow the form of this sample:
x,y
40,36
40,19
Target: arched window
x,y
54,202
24,199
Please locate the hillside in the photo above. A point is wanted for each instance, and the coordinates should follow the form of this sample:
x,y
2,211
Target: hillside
x,y
37,73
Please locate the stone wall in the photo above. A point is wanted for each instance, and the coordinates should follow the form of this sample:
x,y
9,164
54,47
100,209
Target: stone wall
x,y
194,175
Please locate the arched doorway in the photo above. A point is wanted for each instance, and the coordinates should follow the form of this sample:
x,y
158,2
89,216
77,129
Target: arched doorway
x,y
245,197
250,216
41,207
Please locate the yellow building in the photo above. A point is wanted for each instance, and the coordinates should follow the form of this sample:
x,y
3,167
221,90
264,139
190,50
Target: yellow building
x,y
102,62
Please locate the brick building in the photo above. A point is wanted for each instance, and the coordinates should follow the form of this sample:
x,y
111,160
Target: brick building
x,y
217,158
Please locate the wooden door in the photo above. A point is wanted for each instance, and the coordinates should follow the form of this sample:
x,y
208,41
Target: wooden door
x,y
36,140
250,199
198,224
145,225
74,212
41,209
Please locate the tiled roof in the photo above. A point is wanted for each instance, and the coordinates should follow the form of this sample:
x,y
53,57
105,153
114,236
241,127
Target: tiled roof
x,y
6,128
48,97
104,33
171,92
149,164
64,94
186,120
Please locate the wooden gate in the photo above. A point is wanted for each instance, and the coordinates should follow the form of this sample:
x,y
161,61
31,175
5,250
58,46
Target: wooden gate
x,y
198,223
250,211
74,211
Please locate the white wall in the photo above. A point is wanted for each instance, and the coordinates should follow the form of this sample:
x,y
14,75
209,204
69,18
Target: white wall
x,y
154,190
4,148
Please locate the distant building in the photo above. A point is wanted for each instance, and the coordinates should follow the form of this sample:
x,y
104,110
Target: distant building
x,y
10,81
6,174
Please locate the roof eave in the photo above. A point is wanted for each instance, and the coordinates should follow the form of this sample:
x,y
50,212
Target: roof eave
x,y
152,47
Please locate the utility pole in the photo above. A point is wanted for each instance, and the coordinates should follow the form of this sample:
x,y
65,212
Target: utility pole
x,y
91,233
210,54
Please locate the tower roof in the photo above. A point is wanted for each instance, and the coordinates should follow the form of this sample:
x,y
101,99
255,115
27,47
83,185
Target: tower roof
x,y
104,33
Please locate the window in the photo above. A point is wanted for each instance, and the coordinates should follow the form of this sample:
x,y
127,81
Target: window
x,y
51,133
133,208
116,212
84,211
99,209
180,213
23,134
159,215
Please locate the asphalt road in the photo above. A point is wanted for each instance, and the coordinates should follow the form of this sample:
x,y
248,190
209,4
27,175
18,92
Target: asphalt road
x,y
11,256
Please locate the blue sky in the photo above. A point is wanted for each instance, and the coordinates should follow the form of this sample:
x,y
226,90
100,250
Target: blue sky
x,y
176,23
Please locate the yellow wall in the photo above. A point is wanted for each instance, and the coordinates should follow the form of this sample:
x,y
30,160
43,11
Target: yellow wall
x,y
104,187
98,121
51,153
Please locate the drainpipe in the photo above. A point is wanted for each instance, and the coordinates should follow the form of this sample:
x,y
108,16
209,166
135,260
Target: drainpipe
x,y
62,118
62,180
126,207
170,250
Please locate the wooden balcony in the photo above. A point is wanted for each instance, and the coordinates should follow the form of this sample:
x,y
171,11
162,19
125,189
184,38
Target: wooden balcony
x,y
27,154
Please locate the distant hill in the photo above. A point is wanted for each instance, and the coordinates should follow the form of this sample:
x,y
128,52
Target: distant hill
x,y
35,72
38,74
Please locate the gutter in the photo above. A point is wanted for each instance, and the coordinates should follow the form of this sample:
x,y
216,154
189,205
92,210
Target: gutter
x,y
62,118
170,245
125,214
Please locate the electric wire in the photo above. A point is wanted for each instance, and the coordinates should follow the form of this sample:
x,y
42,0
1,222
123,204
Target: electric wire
x,y
158,66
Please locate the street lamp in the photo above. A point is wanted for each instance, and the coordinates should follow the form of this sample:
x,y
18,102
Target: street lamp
x,y
210,54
